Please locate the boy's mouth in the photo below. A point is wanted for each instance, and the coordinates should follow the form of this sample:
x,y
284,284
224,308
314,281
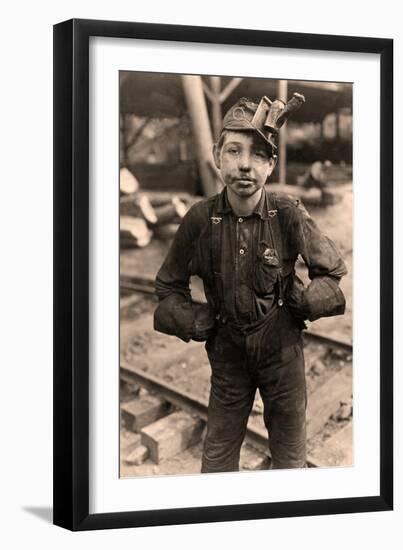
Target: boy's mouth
x,y
244,181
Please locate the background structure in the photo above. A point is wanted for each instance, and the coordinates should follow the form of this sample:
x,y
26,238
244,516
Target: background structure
x,y
26,281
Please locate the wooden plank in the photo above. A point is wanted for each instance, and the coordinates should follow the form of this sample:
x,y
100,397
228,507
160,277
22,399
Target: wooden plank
x,y
326,399
143,410
171,435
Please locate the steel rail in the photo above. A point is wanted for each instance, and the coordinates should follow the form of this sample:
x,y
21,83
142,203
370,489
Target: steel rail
x,y
190,403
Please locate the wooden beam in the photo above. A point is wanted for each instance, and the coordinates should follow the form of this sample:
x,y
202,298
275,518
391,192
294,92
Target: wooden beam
x,y
130,142
216,116
207,91
229,88
282,137
193,91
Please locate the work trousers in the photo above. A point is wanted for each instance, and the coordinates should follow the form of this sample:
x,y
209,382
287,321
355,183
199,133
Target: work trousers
x,y
271,360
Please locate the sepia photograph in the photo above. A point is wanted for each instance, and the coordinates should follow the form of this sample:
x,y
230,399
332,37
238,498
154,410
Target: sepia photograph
x,y
236,260
214,360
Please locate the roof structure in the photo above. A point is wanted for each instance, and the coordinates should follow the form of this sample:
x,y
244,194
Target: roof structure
x,y
161,95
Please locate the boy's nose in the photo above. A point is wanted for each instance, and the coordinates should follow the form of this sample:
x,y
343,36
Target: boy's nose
x,y
244,162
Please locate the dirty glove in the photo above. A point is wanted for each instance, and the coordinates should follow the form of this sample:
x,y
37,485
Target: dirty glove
x,y
324,298
204,322
175,316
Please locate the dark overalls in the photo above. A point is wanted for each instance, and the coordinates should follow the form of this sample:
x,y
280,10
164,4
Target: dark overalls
x,y
256,345
247,265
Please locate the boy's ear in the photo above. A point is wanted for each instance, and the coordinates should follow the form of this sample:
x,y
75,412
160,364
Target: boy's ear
x,y
273,162
216,155
272,165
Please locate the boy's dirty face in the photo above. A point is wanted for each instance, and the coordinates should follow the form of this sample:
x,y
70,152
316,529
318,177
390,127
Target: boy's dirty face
x,y
244,162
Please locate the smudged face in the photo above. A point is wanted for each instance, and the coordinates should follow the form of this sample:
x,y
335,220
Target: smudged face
x,y
244,161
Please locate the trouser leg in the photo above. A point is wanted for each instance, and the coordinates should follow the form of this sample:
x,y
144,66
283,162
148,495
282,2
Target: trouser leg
x,y
283,390
231,400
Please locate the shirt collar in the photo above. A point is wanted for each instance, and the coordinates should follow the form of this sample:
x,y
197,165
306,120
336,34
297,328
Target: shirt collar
x,y
261,209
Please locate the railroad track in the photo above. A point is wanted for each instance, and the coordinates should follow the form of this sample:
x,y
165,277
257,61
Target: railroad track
x,y
192,404
171,385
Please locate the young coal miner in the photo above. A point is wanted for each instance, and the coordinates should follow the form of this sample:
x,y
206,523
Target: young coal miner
x,y
244,243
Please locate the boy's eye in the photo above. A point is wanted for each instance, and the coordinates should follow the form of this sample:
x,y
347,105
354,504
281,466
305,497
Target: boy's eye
x,y
260,154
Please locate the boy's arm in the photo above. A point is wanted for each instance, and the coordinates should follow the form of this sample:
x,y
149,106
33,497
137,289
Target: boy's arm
x,y
323,296
175,314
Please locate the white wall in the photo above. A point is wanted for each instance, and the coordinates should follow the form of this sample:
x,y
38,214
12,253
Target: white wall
x,y
26,295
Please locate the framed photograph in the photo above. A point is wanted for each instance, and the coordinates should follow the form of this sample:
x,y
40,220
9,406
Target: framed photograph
x,y
223,259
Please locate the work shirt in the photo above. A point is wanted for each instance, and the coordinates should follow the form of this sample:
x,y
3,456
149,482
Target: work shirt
x,y
252,265
244,303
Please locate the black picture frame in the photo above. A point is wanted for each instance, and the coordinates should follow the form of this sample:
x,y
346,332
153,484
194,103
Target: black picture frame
x,y
71,274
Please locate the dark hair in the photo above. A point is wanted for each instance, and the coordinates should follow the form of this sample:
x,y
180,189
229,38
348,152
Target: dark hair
x,y
220,142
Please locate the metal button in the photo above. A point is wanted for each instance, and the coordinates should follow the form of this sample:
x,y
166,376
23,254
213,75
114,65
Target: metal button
x,y
240,220
280,302
242,251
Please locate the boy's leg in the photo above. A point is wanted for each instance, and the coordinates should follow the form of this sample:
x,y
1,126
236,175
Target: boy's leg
x,y
231,400
283,390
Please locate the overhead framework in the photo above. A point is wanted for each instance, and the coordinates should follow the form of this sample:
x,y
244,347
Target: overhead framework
x,y
171,95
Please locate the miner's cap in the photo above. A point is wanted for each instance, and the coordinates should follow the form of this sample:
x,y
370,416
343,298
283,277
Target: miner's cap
x,y
265,118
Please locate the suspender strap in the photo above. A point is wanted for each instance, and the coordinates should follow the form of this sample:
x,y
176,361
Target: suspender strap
x,y
274,226
277,241
216,242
